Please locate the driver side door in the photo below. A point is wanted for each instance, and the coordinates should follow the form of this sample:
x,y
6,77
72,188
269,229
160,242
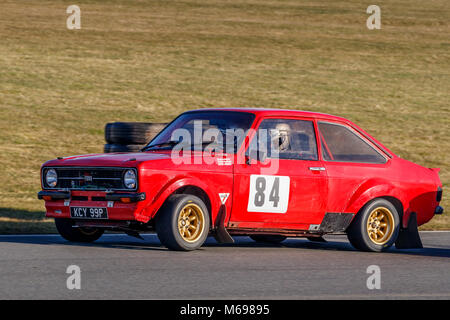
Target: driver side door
x,y
289,189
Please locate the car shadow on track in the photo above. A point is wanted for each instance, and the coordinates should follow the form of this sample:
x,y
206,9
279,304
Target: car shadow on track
x,y
331,245
151,242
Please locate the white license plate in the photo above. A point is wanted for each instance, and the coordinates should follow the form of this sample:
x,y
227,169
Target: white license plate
x,y
88,213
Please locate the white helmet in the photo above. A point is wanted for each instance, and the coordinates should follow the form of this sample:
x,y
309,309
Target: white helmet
x,y
280,136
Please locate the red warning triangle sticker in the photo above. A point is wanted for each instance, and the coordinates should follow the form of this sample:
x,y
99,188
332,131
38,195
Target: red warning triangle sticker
x,y
224,197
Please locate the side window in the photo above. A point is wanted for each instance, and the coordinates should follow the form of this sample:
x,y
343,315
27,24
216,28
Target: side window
x,y
339,143
288,139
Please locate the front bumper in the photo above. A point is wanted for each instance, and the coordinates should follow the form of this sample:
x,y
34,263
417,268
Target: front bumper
x,y
124,197
120,206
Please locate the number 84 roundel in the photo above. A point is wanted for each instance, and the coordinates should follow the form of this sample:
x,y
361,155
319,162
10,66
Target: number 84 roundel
x,y
268,194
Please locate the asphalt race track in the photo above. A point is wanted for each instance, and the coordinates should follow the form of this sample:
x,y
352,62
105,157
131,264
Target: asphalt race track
x,y
121,267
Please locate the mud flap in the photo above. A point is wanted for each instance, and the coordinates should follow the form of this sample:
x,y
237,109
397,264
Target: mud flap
x,y
409,238
221,235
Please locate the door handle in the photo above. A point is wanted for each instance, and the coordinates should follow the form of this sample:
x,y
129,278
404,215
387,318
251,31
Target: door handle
x,y
317,168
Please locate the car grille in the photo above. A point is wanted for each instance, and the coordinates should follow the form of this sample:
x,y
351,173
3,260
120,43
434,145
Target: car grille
x,y
88,178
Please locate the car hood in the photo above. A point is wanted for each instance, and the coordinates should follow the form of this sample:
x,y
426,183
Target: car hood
x,y
108,159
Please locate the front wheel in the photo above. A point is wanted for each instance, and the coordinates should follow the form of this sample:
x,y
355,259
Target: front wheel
x,y
183,223
79,234
376,227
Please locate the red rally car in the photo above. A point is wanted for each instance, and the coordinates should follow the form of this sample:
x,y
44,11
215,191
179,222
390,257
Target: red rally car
x,y
265,173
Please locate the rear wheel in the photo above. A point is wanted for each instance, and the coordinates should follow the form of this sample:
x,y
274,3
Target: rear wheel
x,y
183,223
376,227
68,232
268,238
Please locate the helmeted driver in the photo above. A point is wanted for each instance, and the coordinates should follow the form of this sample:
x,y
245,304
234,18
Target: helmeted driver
x,y
280,137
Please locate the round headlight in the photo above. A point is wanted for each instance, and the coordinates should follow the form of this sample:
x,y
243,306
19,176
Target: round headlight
x,y
51,178
129,179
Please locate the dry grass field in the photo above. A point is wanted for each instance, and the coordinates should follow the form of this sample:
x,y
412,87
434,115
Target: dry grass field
x,y
137,60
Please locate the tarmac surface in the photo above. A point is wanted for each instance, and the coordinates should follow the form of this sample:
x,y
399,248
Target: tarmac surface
x,y
121,267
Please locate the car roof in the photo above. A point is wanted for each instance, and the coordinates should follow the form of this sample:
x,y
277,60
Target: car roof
x,y
278,112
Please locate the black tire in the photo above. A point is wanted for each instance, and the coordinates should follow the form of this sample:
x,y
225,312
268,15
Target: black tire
x,y
108,131
358,231
109,148
268,238
131,132
68,232
169,218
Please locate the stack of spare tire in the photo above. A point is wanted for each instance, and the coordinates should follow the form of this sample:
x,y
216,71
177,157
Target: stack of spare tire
x,y
130,136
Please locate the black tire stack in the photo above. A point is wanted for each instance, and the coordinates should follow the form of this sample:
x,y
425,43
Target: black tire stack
x,y
129,136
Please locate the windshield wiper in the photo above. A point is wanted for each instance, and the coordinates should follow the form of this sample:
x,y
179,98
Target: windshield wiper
x,y
157,145
171,144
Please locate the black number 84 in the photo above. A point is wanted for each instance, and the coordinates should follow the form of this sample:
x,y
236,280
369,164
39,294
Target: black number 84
x,y
274,195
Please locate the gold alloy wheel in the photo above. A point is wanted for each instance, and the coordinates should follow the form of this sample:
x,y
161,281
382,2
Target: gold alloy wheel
x,y
380,225
190,222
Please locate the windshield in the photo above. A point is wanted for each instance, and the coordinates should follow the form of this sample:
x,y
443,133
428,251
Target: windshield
x,y
221,130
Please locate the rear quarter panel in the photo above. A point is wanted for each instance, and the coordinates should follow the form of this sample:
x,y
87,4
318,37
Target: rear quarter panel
x,y
413,185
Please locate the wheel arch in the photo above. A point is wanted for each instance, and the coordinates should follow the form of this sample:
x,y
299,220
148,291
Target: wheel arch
x,y
393,200
396,203
185,186
373,190
198,192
